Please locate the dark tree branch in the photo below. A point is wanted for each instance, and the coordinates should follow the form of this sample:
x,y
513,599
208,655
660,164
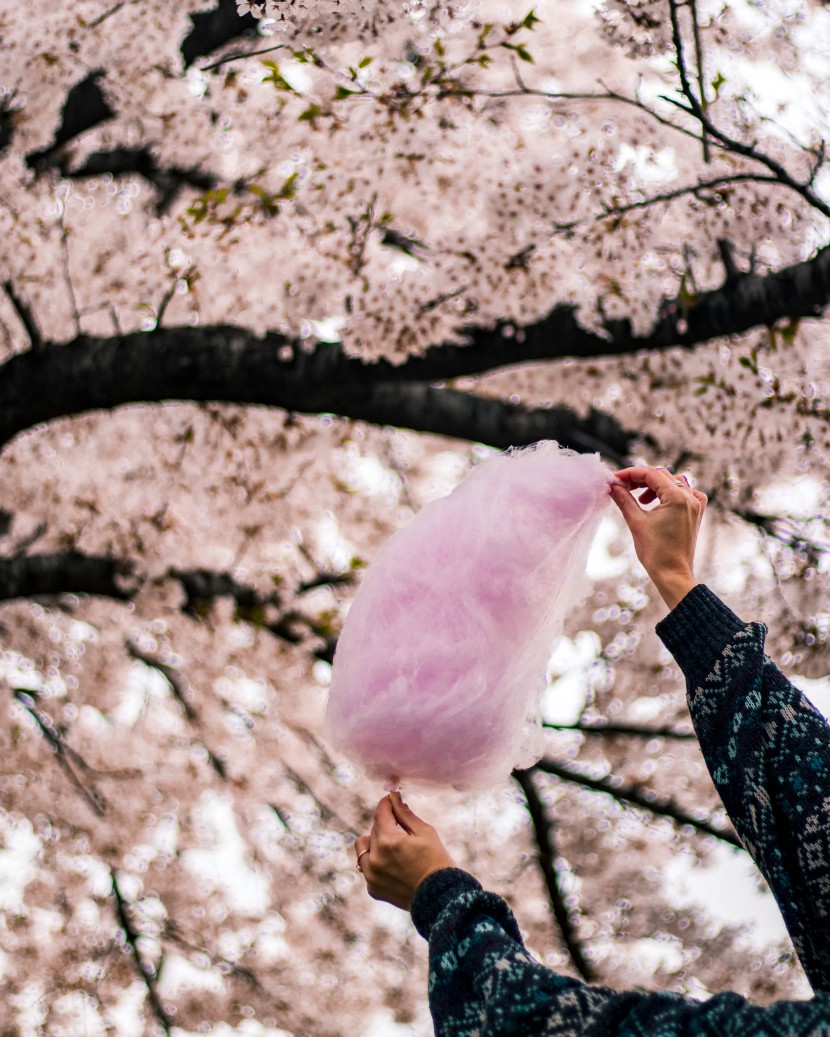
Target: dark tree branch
x,y
543,829
327,814
753,301
84,108
776,528
168,181
602,727
178,685
172,933
325,579
93,799
631,794
25,314
180,690
697,110
29,576
231,365
9,106
240,54
203,586
131,936
213,29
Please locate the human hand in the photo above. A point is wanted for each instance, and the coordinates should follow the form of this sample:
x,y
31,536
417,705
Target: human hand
x,y
399,853
665,536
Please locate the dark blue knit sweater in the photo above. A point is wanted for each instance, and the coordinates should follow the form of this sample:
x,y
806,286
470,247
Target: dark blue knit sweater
x,y
768,751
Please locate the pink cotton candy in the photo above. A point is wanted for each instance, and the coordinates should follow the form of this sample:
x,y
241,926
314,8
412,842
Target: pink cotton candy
x,y
441,663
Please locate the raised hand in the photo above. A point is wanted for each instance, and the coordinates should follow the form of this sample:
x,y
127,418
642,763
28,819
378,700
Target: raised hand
x,y
665,536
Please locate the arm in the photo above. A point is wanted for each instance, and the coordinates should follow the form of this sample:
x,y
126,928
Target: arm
x,y
768,751
766,747
482,979
483,982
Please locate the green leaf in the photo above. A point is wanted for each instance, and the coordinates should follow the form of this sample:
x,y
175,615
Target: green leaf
x,y
438,47
482,36
530,20
520,50
276,77
342,92
788,331
717,83
364,62
310,114
287,189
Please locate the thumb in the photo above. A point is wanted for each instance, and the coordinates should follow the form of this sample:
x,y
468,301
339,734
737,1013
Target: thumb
x,y
406,818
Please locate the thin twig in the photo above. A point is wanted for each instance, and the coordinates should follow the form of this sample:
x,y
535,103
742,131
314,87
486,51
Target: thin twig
x,y
605,728
239,55
103,17
631,794
73,302
131,935
171,291
93,799
181,693
700,80
749,151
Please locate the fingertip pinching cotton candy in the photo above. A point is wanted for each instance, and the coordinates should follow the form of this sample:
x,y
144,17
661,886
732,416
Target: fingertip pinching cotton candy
x,y
441,664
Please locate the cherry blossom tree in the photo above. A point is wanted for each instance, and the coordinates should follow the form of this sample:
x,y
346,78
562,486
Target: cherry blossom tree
x,y
274,277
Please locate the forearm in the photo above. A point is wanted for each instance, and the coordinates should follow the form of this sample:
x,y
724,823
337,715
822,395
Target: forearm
x,y
673,586
483,981
768,751
482,978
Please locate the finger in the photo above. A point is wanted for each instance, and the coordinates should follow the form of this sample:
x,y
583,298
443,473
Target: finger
x,y
385,824
656,479
361,844
404,815
629,507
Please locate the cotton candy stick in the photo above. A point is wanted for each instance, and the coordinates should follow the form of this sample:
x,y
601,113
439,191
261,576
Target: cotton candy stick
x,y
440,667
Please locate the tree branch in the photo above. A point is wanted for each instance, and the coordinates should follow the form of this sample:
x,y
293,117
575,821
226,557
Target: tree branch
x,y
29,576
546,855
180,690
751,151
93,799
25,314
631,794
132,935
168,181
213,29
231,365
84,108
227,364
603,727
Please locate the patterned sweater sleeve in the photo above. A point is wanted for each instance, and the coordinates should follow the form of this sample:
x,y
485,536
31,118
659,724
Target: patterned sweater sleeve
x,y
483,983
768,751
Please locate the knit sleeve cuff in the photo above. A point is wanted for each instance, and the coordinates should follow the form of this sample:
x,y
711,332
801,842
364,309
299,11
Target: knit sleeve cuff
x,y
435,892
697,630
